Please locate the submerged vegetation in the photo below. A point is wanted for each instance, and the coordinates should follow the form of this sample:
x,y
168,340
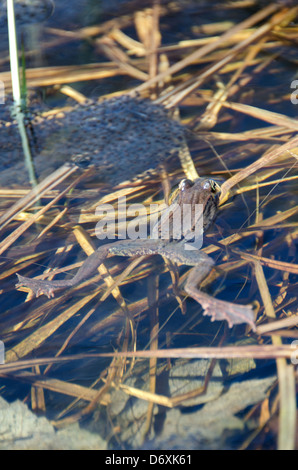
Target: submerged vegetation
x,y
228,72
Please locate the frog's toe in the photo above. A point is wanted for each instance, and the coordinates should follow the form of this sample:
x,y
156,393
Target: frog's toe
x,y
49,292
220,310
37,287
234,314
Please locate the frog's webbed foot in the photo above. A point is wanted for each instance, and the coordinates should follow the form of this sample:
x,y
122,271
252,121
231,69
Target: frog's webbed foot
x,y
220,310
234,314
39,287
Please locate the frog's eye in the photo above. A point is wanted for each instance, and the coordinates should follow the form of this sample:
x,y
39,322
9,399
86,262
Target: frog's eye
x,y
207,185
215,188
185,184
211,185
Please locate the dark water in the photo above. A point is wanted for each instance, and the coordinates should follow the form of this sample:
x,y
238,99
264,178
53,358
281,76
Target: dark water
x,y
195,424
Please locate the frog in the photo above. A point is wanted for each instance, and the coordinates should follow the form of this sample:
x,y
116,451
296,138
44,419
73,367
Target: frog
x,y
201,191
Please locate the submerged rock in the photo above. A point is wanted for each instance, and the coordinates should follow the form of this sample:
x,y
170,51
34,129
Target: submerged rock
x,y
208,420
20,429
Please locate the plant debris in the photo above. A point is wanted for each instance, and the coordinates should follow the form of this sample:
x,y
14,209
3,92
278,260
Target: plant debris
x,y
222,76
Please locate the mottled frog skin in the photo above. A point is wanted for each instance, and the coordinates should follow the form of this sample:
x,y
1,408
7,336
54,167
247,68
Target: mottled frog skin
x,y
202,191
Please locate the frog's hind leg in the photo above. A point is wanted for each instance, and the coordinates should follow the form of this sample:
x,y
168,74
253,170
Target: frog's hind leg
x,y
39,287
217,309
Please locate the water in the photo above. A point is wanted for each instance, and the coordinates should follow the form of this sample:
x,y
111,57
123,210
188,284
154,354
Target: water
x,y
87,325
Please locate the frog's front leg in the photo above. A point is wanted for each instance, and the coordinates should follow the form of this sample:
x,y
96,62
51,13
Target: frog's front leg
x,y
218,309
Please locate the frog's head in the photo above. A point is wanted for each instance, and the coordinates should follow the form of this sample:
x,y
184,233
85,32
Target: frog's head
x,y
198,191
203,191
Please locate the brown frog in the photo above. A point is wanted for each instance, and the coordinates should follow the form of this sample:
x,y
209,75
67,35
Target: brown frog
x,y
202,191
